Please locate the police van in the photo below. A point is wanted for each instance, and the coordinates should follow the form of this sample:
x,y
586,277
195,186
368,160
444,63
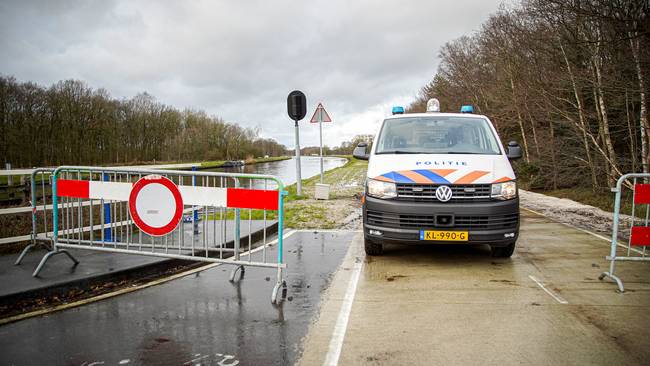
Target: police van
x,y
440,178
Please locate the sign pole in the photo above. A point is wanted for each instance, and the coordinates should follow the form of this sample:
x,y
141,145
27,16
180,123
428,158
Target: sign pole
x,y
298,179
320,116
320,126
297,108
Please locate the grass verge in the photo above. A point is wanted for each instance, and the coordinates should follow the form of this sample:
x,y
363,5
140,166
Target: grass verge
x,y
346,182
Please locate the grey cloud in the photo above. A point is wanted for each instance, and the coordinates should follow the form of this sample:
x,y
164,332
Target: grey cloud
x,y
239,59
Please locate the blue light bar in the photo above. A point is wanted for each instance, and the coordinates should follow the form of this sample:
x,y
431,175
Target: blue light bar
x,y
467,109
398,110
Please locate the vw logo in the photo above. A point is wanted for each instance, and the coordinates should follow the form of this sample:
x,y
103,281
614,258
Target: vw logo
x,y
443,193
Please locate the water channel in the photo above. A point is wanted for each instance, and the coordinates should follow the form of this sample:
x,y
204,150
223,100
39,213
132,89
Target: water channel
x,y
286,169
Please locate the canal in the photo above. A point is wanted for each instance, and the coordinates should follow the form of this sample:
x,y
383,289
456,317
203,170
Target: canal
x,y
286,169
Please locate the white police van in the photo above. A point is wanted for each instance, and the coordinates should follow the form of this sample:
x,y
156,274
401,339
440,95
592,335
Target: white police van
x,y
440,178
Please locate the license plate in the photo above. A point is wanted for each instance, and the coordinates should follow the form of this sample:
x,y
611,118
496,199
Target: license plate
x,y
436,235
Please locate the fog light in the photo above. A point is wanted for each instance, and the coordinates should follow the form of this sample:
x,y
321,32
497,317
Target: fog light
x,y
509,235
374,232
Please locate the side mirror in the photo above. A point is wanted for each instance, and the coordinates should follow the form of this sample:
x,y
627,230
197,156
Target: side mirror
x,y
514,150
360,151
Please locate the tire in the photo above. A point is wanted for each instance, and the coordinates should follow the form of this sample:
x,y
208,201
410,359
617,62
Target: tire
x,y
372,248
503,252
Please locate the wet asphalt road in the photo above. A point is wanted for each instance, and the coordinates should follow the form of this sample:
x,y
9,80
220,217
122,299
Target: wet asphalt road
x,y
456,305
199,319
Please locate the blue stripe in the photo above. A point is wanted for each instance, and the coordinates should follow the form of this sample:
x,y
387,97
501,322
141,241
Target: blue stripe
x,y
435,178
397,178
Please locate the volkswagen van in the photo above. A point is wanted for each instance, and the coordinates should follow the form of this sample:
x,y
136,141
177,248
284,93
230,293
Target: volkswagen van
x,y
440,178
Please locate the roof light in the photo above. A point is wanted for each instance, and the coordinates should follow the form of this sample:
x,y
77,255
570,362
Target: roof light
x,y
433,105
467,109
398,110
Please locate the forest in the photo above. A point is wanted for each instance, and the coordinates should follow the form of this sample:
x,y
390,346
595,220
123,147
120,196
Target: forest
x,y
567,79
70,123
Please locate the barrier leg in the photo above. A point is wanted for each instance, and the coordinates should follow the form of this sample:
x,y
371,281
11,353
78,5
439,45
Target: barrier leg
x,y
51,254
30,247
280,284
233,273
611,275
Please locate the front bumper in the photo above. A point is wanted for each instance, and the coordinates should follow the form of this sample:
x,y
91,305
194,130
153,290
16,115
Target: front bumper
x,y
495,222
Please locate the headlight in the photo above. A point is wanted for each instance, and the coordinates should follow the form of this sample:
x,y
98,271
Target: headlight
x,y
379,189
505,190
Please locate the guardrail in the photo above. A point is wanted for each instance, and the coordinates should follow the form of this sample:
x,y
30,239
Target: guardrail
x,y
639,231
164,213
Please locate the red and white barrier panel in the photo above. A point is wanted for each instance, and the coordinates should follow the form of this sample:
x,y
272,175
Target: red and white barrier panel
x,y
640,235
155,186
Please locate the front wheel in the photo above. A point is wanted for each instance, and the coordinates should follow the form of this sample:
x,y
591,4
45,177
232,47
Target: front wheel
x,y
503,252
372,248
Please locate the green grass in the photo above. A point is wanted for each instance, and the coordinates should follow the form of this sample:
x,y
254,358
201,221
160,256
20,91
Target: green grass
x,y
295,216
303,212
329,177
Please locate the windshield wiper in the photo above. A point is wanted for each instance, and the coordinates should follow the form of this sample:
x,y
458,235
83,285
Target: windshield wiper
x,y
464,152
399,152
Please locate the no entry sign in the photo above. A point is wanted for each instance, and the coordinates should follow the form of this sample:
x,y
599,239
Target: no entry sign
x,y
156,205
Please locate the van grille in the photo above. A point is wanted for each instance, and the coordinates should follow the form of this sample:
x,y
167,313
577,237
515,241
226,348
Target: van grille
x,y
459,192
492,222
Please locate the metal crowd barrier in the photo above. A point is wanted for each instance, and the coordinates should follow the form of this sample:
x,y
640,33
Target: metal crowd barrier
x,y
186,215
638,235
41,234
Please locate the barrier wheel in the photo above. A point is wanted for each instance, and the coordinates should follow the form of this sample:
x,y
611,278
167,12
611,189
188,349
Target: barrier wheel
x,y
372,248
503,252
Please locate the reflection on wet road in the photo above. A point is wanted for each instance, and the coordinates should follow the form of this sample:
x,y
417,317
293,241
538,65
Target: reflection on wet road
x,y
198,319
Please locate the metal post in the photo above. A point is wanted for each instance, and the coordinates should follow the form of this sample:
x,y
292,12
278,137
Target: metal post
x,y
280,284
298,179
320,127
195,212
108,231
237,226
10,180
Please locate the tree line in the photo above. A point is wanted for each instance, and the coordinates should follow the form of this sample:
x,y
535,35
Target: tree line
x,y
568,79
71,123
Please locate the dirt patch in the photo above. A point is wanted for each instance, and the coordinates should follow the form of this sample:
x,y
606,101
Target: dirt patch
x,y
393,278
574,213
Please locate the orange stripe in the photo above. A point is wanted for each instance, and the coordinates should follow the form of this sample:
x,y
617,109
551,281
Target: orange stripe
x,y
502,179
417,178
383,179
443,172
471,177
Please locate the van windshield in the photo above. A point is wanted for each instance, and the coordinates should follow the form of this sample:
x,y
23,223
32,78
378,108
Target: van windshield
x,y
437,135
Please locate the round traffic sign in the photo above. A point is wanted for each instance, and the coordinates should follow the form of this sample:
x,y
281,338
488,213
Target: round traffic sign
x,y
156,205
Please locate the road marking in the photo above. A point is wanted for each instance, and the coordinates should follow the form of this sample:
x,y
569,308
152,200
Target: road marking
x,y
129,289
336,343
557,297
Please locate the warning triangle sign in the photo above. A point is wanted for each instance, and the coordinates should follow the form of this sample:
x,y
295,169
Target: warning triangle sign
x,y
320,115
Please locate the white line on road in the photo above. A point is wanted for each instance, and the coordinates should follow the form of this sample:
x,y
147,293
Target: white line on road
x,y
557,297
336,343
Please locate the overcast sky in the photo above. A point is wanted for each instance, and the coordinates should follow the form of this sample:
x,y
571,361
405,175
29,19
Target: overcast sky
x,y
239,59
